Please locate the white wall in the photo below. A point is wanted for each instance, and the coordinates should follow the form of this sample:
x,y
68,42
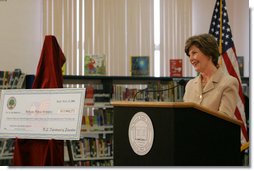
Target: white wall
x,y
238,12
21,30
20,34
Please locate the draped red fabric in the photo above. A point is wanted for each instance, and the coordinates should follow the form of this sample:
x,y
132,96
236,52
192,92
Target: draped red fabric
x,y
32,152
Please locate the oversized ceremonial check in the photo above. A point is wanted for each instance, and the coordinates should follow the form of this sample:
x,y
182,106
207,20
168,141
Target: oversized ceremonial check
x,y
41,113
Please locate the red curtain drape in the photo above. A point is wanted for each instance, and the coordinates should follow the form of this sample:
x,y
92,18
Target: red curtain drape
x,y
32,152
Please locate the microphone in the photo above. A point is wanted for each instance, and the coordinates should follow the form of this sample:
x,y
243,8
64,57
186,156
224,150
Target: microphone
x,y
181,82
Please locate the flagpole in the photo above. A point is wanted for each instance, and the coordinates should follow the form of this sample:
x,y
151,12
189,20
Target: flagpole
x,y
220,40
228,61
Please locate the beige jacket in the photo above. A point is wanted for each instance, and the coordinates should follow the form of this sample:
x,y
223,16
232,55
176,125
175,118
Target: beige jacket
x,y
219,94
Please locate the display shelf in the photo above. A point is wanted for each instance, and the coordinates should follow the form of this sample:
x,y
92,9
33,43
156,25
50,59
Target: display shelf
x,y
96,138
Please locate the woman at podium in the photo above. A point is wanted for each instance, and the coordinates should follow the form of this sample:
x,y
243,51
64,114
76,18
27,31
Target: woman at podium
x,y
212,88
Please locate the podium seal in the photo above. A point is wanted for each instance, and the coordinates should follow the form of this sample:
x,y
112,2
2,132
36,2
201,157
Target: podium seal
x,y
141,133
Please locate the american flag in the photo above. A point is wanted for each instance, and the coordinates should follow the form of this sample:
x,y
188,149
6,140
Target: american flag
x,y
220,29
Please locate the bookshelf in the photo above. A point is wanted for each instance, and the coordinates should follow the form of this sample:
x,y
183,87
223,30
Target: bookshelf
x,y
95,147
6,151
115,88
12,79
9,80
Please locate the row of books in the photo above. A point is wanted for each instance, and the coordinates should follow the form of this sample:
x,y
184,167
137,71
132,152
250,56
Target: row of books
x,y
94,163
155,91
6,148
94,93
96,117
6,162
171,92
92,148
127,92
91,90
11,79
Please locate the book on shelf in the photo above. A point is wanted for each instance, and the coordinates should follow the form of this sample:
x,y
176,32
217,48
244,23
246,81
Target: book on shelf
x,y
154,91
93,148
96,119
95,64
12,79
7,148
89,100
21,81
140,66
1,77
245,89
66,153
64,69
16,78
176,67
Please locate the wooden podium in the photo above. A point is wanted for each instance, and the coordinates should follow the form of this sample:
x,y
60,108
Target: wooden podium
x,y
185,134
